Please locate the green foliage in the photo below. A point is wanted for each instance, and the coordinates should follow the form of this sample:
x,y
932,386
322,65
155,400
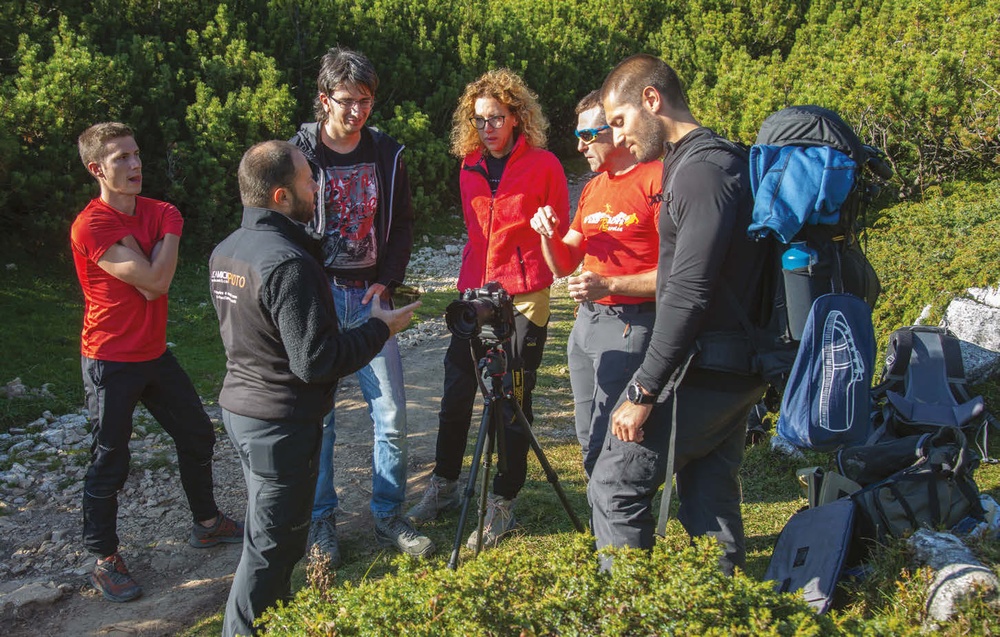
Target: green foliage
x,y
678,589
200,81
927,253
239,100
426,156
58,92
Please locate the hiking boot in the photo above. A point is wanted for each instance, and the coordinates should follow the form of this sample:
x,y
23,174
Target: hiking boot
x,y
441,495
113,580
397,531
323,535
225,530
497,524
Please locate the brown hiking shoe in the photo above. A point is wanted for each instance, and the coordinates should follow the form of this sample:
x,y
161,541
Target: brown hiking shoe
x,y
111,577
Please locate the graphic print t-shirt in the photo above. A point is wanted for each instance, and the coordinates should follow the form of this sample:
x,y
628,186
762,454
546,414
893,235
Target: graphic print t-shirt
x,y
350,246
618,217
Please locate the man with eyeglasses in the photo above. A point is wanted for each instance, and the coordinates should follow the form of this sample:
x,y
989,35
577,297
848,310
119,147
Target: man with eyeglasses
x,y
364,217
614,235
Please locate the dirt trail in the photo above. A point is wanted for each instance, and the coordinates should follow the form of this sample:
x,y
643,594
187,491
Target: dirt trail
x,y
183,585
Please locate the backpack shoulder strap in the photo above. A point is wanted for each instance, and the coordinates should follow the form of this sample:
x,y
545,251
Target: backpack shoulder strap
x,y
716,142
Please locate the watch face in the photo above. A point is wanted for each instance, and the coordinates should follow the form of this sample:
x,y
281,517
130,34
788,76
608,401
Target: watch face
x,y
634,394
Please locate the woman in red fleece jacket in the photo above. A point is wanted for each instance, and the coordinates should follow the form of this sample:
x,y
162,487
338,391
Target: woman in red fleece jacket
x,y
499,131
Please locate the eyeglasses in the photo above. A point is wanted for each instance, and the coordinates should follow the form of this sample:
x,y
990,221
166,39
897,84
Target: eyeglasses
x,y
588,135
495,122
362,104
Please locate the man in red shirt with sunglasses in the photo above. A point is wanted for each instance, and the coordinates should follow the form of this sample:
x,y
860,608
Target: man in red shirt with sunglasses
x,y
614,235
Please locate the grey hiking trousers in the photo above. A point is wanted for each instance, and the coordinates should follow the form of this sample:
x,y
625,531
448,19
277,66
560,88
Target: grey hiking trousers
x,y
711,414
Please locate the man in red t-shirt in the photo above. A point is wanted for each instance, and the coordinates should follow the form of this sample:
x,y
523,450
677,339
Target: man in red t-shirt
x,y
614,235
125,253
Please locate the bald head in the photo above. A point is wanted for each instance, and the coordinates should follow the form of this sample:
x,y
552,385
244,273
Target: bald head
x,y
264,167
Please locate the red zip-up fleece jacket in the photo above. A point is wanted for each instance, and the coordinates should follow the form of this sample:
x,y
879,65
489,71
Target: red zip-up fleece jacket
x,y
502,246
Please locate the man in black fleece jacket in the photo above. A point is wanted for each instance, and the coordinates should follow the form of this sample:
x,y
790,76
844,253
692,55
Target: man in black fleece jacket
x,y
284,356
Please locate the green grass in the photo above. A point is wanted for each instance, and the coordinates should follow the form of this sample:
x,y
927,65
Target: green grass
x,y
41,310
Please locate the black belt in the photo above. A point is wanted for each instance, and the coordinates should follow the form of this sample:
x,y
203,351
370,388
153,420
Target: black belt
x,y
350,283
622,308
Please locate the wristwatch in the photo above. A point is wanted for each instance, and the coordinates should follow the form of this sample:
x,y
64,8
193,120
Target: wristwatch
x,y
637,396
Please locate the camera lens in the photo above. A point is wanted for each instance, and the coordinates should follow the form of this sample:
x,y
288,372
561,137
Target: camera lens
x,y
466,319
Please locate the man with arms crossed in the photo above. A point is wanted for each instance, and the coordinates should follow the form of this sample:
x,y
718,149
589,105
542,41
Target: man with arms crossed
x,y
125,253
706,264
614,235
365,219
284,355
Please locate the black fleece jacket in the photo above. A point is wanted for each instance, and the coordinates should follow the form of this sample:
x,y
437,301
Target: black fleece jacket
x,y
284,350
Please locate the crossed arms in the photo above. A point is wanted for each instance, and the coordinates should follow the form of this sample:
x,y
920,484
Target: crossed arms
x,y
151,275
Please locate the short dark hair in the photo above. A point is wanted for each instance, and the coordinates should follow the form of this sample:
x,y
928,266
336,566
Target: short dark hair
x,y
91,142
639,71
343,66
589,101
264,167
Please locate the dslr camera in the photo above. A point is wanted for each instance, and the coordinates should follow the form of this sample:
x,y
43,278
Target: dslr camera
x,y
489,305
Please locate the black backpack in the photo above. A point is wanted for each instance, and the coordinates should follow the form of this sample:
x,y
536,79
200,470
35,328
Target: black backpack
x,y
912,482
923,387
832,237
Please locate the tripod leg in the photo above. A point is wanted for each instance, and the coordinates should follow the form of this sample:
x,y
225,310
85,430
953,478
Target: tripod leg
x,y
493,441
470,487
550,473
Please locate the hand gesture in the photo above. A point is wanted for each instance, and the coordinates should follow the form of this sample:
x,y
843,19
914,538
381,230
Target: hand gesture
x,y
627,421
545,222
588,286
397,319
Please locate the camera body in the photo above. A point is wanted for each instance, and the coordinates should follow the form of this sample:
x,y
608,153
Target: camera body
x,y
489,305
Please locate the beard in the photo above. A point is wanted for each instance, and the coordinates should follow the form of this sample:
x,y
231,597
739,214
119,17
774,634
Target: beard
x,y
649,138
302,209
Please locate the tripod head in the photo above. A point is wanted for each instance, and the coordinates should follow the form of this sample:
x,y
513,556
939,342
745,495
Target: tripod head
x,y
494,361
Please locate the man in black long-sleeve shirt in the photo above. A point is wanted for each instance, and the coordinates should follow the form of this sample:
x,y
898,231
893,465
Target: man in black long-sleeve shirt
x,y
705,264
284,356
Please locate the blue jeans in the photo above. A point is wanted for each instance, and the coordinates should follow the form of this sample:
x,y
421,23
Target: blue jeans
x,y
382,387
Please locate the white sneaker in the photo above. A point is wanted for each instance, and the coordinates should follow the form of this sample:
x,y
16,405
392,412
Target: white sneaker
x,y
497,524
441,495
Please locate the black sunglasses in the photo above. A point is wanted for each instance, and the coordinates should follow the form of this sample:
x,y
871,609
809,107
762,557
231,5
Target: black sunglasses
x,y
587,135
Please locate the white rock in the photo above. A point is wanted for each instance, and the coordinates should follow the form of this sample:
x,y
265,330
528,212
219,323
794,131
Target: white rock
x,y
959,574
974,322
986,296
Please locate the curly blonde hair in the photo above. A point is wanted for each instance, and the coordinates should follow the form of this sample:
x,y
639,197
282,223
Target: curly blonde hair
x,y
509,89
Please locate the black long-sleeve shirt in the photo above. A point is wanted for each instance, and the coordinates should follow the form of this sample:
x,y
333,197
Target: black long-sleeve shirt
x,y
703,244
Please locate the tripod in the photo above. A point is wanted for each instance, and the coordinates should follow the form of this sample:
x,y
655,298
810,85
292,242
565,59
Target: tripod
x,y
493,366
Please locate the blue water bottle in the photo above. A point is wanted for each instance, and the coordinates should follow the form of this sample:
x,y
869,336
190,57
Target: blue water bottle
x,y
797,264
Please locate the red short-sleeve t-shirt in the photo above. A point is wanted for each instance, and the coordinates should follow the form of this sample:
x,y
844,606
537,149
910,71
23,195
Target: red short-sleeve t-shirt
x,y
618,217
119,324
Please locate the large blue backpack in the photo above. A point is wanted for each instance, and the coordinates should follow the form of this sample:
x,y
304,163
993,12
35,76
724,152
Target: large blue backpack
x,y
812,179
